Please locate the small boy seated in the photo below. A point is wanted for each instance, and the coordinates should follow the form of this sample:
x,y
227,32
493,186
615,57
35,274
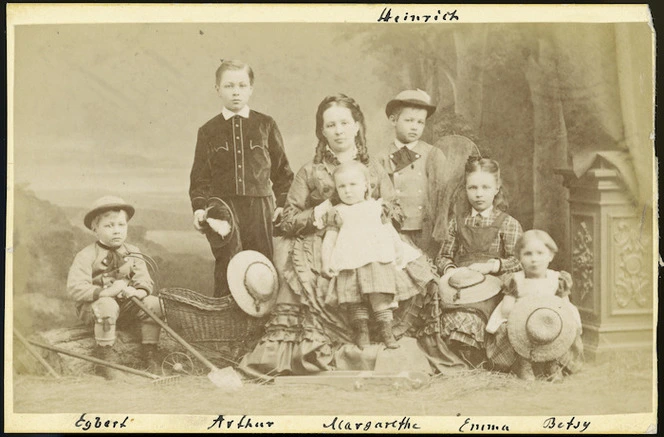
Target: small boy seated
x,y
103,278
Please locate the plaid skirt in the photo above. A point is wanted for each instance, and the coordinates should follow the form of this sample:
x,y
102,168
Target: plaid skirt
x,y
349,286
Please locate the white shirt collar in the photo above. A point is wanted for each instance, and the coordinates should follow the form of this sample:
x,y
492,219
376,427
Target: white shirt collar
x,y
486,213
227,113
398,144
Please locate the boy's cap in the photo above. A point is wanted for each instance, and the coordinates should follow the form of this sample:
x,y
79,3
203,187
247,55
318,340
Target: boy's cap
x,y
104,204
417,98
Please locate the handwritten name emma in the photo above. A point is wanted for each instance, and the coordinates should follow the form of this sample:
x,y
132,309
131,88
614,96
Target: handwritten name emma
x,y
338,424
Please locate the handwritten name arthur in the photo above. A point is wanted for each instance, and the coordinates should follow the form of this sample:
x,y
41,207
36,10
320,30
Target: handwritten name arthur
x,y
244,423
386,16
98,422
345,425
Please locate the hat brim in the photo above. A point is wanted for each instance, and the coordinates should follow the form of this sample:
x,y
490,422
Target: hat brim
x,y
235,275
518,336
90,216
392,104
480,292
222,211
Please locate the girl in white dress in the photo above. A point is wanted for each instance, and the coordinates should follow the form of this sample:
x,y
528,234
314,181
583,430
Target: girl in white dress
x,y
361,253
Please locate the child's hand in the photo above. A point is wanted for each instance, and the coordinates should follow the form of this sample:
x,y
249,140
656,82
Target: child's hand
x,y
484,268
276,216
131,291
329,273
221,227
199,219
116,288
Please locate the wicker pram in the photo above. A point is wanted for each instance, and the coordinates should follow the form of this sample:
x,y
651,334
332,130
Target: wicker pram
x,y
211,323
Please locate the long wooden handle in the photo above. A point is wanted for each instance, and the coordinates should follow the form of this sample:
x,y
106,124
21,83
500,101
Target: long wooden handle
x,y
174,334
95,360
34,353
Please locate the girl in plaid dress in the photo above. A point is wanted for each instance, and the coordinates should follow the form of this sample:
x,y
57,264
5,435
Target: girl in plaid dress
x,y
536,250
483,239
361,253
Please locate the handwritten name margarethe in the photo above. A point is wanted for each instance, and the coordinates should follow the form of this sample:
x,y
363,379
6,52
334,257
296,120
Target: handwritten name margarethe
x,y
403,424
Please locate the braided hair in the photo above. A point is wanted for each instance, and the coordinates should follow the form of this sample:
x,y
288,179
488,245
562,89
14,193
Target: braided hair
x,y
360,139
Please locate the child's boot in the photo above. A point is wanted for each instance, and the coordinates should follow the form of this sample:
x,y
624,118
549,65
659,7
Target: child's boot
x,y
361,333
384,319
555,372
105,353
524,370
149,352
360,323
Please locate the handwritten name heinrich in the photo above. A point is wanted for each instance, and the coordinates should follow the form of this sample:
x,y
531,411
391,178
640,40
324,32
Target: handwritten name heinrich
x,y
387,17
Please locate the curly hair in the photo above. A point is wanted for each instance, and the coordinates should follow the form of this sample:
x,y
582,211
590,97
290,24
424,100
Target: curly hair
x,y
360,139
475,164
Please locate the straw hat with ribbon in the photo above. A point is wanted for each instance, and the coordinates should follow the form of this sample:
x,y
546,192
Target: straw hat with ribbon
x,y
107,203
541,328
217,211
253,282
417,98
464,286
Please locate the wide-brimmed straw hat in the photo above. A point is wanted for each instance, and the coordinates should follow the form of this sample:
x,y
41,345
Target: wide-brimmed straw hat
x,y
416,98
253,282
219,210
104,204
541,328
463,286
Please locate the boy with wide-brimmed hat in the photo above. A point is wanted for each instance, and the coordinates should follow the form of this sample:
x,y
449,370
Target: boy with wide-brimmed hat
x,y
105,275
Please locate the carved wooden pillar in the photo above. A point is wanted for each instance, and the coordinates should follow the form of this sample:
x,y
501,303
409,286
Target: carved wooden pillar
x,y
611,245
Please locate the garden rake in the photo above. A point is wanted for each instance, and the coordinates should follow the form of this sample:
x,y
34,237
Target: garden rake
x,y
156,379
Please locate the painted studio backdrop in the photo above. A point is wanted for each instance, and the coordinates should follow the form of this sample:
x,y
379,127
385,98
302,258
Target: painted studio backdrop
x,y
114,109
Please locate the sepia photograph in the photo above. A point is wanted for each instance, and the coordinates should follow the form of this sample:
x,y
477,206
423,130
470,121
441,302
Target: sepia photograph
x,y
185,250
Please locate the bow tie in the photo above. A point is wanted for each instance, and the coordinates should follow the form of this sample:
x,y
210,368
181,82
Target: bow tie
x,y
404,157
113,260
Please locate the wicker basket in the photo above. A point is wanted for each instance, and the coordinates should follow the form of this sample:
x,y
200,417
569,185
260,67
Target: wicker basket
x,y
210,322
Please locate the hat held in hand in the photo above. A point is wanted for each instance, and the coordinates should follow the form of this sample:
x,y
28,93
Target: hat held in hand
x,y
107,203
463,286
219,225
416,98
253,282
541,328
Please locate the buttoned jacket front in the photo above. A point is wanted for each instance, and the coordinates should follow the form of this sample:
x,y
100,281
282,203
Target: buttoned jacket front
x,y
239,157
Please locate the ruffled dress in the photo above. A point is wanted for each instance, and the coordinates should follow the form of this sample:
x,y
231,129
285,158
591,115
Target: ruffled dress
x,y
304,332
365,253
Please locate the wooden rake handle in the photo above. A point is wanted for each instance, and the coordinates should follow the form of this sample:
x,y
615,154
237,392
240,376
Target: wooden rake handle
x,y
174,334
96,360
190,348
34,353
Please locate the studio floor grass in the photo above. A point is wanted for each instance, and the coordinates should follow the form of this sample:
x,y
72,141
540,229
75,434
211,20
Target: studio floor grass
x,y
622,384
